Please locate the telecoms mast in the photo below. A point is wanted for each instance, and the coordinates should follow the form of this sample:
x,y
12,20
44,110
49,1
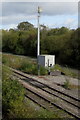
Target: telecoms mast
x,y
38,40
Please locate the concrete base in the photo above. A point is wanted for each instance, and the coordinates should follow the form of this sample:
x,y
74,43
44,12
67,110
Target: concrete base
x,y
55,73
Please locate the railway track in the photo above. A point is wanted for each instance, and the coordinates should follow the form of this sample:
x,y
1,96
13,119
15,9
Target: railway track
x,y
52,96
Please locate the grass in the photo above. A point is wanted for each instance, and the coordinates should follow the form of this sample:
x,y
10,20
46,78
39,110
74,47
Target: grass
x,y
29,65
25,64
70,72
66,71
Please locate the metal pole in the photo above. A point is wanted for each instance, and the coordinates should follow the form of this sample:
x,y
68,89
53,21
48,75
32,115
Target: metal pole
x,y
38,42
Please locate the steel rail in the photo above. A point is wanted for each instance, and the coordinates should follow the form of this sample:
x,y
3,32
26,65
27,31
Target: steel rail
x,y
48,86
52,103
73,114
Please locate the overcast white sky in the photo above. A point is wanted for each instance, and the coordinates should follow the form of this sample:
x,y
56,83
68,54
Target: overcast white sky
x,y
54,14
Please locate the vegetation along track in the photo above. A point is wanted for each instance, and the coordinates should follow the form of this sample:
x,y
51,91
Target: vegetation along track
x,y
57,98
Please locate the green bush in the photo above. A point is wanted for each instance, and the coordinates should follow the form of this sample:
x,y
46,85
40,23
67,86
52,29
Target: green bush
x,y
56,67
12,96
26,66
31,68
43,70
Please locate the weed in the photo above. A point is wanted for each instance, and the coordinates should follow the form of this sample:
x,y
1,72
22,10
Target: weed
x,y
66,84
56,67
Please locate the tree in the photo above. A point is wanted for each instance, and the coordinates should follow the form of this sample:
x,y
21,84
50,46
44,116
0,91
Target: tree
x,y
62,42
25,26
5,41
63,30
